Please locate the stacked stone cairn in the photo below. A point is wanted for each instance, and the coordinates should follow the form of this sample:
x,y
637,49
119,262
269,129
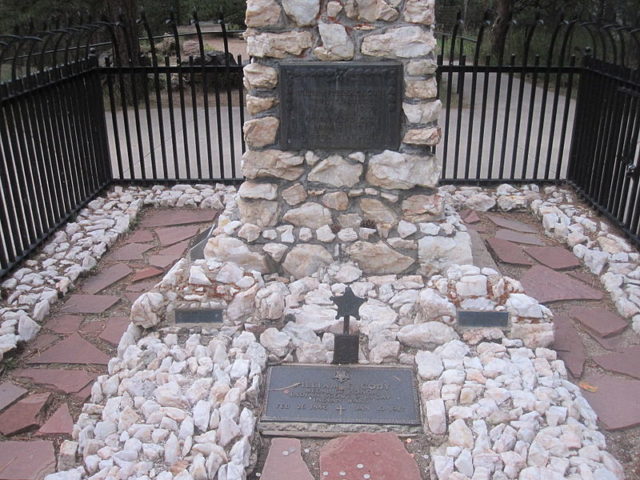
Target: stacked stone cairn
x,y
305,209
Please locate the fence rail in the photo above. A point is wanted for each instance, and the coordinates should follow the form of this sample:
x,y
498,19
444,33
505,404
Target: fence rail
x,y
83,107
53,151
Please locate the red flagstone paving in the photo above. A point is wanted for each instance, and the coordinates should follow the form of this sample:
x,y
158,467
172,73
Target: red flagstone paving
x,y
615,401
59,423
171,235
9,393
511,224
183,216
508,252
470,217
132,251
141,236
92,328
26,460
568,344
599,320
176,251
42,341
382,456
546,285
133,296
79,303
58,379
64,324
585,277
145,273
73,350
613,343
162,261
558,258
116,326
285,461
626,362
23,415
142,286
106,278
518,237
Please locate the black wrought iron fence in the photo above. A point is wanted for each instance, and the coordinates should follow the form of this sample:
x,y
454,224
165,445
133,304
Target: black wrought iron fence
x,y
53,149
177,114
509,115
82,107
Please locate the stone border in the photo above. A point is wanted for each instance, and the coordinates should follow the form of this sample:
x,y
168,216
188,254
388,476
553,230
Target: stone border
x,y
75,250
605,254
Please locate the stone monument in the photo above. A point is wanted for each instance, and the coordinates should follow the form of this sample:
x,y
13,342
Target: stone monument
x,y
340,162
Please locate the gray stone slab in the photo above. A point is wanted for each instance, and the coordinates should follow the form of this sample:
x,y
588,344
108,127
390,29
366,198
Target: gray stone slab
x,y
483,319
342,394
346,105
203,315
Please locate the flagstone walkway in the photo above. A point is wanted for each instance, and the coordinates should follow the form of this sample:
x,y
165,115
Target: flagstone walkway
x,y
44,385
598,346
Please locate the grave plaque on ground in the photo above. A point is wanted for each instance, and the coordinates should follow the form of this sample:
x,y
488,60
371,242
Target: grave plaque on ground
x,y
341,395
483,319
337,105
199,316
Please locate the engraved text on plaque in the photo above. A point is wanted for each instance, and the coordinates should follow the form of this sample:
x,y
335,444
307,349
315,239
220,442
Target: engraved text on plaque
x,y
334,105
342,394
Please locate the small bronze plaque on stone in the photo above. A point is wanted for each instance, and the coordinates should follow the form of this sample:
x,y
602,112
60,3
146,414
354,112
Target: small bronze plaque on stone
x,y
342,394
483,319
338,105
204,315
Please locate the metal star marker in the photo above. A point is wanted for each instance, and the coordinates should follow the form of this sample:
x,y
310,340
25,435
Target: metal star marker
x,y
348,304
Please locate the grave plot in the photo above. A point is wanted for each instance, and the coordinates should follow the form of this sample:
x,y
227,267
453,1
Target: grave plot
x,y
336,294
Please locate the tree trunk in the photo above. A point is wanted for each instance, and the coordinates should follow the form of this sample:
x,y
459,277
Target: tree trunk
x,y
128,51
504,14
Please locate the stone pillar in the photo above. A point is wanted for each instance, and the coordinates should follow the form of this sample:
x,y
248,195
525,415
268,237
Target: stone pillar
x,y
375,207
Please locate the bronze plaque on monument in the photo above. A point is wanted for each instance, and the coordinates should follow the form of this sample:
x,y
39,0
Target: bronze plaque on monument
x,y
342,394
340,105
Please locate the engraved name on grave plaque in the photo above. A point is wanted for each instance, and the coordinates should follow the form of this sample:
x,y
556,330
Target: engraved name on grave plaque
x,y
333,105
342,394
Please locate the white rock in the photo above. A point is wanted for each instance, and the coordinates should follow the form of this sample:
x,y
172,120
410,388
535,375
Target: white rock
x,y
348,273
438,253
275,341
305,260
197,276
424,334
436,416
201,415
336,43
429,365
394,170
235,250
278,45
401,42
406,229
337,172
27,328
311,215
302,12
378,258
523,306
